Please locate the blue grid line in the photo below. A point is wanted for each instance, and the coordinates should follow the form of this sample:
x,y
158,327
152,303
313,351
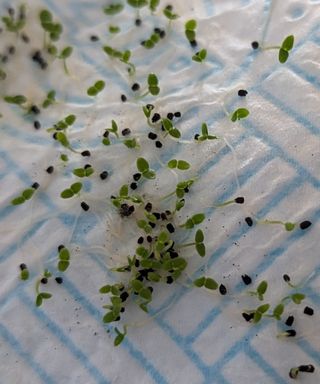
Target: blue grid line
x,y
25,355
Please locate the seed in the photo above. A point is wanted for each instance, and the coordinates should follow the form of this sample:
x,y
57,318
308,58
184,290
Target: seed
x,y
152,225
308,311
156,214
222,289
169,7
289,321
87,166
149,239
50,169
133,186
177,114
247,316
246,279
61,246
104,175
140,240
162,34
249,221
136,176
158,144
59,280
86,153
286,278
169,280
193,43
37,124
255,45
94,38
44,280
150,289
242,92
124,296
196,136
123,98
35,185
106,134
156,117
34,109
306,368
173,254
137,263
84,206
138,22
118,318
135,87
157,30
170,228
22,266
170,115
125,132
43,64
152,136
239,200
11,50
305,224
290,333
11,12
163,216
25,38
148,207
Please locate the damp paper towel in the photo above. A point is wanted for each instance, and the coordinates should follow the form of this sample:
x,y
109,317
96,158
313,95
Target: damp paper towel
x,y
271,158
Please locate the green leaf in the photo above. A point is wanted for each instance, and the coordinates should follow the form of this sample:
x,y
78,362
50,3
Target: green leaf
x,y
70,119
66,52
108,50
152,79
108,317
142,165
63,265
106,141
257,317
45,295
92,91
289,226
137,3
211,284
199,282
199,237
287,43
175,133
113,9
24,274
105,289
18,200
191,25
124,190
89,171
126,56
18,99
180,204
263,308
154,90
114,29
28,193
170,15
154,38
172,163
64,157
99,85
201,249
64,254
38,300
114,126
62,138
143,252
240,113
198,218
149,174
146,294
154,277
80,172
190,35
283,55
45,16
183,165
297,297
262,287
153,5
66,194
136,285
76,187
119,339
131,143
204,129
278,311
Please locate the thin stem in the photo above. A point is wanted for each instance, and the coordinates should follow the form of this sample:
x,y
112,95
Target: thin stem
x,y
270,222
169,195
186,245
271,47
65,67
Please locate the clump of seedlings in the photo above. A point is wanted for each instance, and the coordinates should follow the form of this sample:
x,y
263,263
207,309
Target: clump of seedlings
x,y
16,20
124,57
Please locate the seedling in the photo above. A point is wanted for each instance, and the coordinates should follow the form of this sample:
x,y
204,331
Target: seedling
x,y
238,114
113,130
151,41
3,74
206,282
40,296
182,165
73,190
153,86
190,31
200,56
143,168
120,336
260,291
131,143
50,99
63,55
170,129
26,195
114,29
96,88
15,24
86,171
124,57
194,220
24,272
19,100
113,9
169,14
137,3
63,124
198,242
237,200
205,134
287,225
284,48
123,196
153,5
64,259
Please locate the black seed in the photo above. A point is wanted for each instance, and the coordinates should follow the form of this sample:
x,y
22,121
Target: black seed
x,y
44,280
136,176
174,254
255,45
152,225
157,215
125,132
61,246
157,30
123,98
156,117
11,50
158,144
140,278
43,64
25,38
94,38
124,296
131,209
86,153
59,280
177,114
104,175
84,206
149,239
308,311
22,266
242,92
122,309
246,279
152,136
290,333
133,186
249,221
289,321
305,224
50,169
137,263
247,316
106,134
37,124
36,56
135,87
150,107
140,240
170,115
87,166
162,34
170,228
239,200
138,22
196,136
10,11
34,109
35,185
222,289
148,207
193,43
163,216
169,280
55,135
306,368
286,278
118,318
169,7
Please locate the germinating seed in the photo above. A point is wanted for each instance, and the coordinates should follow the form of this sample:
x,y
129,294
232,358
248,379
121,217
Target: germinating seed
x,y
306,368
104,175
239,200
246,279
59,280
289,321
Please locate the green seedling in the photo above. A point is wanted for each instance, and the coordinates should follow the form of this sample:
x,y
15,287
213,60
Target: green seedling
x,y
206,282
120,336
198,242
151,41
50,99
137,3
87,171
124,57
96,88
123,196
260,291
143,168
113,9
18,100
63,55
13,24
73,190
287,225
64,259
169,14
24,272
182,165
51,29
170,129
200,56
153,5
284,48
205,134
64,124
3,74
190,31
114,29
40,296
153,86
131,143
239,114
293,373
113,130
26,195
194,220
